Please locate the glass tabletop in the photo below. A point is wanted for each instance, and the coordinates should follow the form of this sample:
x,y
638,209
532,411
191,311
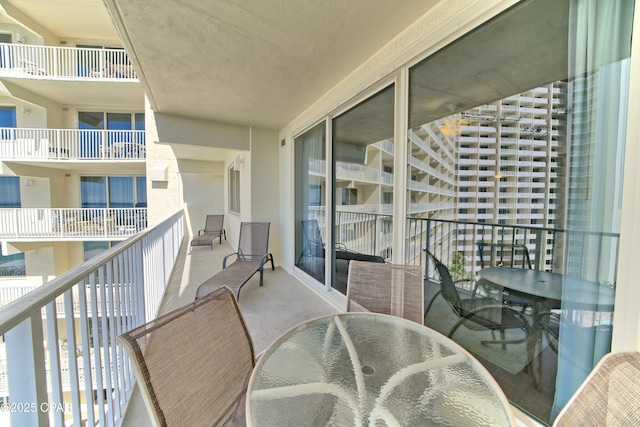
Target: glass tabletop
x,y
366,369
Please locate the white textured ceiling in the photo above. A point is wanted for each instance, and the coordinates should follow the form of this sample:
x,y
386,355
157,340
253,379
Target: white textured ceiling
x,y
253,62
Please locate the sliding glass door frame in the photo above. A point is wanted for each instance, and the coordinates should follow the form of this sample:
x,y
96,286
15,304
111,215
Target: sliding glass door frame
x,y
398,81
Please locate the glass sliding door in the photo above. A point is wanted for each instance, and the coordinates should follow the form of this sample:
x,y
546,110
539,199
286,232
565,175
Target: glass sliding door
x,y
93,191
506,152
362,186
310,199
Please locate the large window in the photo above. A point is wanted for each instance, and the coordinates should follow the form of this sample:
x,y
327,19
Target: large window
x,y
310,210
510,128
363,179
234,190
515,135
120,129
113,191
7,122
11,265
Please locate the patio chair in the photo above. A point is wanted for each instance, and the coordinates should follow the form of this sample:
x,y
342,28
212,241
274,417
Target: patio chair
x,y
546,325
313,243
314,246
193,364
253,253
480,313
505,255
392,289
212,230
608,396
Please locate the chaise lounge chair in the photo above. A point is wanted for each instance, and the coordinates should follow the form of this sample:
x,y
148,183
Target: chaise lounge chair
x,y
212,230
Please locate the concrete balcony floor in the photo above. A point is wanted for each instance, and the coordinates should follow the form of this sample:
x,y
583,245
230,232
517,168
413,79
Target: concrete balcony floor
x,y
282,303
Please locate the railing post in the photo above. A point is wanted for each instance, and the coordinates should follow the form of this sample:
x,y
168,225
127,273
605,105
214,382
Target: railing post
x,y
25,356
141,265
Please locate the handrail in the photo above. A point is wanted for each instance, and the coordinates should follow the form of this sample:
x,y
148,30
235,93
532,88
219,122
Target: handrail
x,y
20,309
456,242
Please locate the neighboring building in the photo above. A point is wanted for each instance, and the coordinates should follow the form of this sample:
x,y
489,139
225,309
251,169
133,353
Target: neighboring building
x,y
72,149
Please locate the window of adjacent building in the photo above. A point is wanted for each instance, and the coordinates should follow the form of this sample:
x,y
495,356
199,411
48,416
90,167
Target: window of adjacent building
x,y
111,134
234,190
92,249
387,197
121,199
14,264
113,191
348,196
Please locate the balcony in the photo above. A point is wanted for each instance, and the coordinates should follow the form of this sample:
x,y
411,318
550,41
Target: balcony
x,y
65,224
64,63
46,145
147,275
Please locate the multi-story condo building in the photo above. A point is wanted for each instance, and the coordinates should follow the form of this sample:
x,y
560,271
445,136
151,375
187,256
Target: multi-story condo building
x,y
72,147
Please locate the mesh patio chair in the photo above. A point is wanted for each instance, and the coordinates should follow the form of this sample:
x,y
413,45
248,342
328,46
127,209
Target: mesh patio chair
x,y
253,253
313,243
212,230
505,255
481,313
609,396
193,364
392,289
546,325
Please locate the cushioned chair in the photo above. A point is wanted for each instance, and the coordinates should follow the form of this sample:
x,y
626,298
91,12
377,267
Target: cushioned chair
x,y
193,364
212,230
609,396
392,289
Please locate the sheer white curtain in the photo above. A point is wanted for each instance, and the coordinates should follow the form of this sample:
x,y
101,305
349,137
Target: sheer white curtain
x,y
310,184
599,48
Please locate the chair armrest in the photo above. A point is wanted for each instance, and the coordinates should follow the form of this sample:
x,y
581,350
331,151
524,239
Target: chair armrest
x,y
200,232
476,311
224,260
473,287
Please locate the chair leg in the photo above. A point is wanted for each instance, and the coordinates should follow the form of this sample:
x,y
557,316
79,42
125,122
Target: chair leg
x,y
429,306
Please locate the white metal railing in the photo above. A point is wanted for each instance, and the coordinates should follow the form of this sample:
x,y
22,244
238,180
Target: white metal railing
x,y
72,144
71,223
125,285
51,62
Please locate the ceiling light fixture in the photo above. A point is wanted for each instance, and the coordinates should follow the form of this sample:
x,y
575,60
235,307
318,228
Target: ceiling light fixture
x,y
452,124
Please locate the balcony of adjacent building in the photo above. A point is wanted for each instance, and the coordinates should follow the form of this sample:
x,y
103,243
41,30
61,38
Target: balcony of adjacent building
x,y
70,75
71,145
71,224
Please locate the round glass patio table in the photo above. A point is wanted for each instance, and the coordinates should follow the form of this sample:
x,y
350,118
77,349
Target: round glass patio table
x,y
366,369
